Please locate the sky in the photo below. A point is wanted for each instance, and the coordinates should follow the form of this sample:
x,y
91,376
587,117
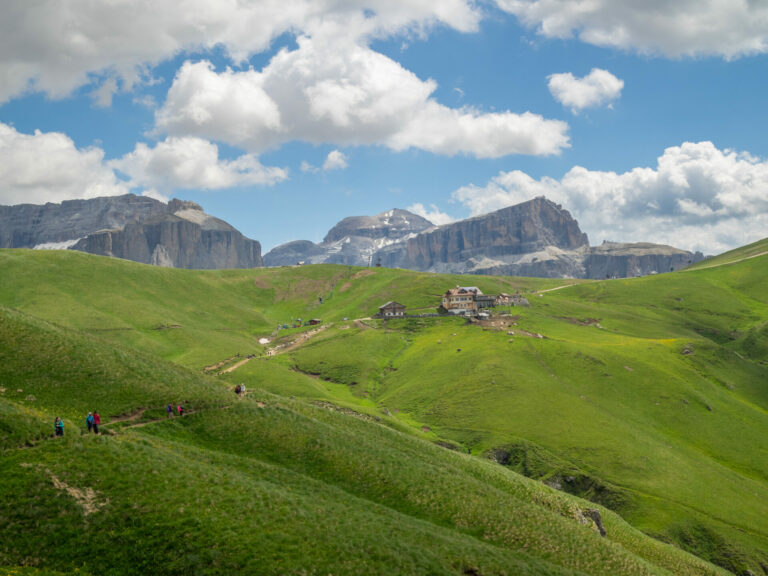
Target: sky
x,y
647,121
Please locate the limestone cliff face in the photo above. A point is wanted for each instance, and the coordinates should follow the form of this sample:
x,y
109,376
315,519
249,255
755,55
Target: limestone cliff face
x,y
617,260
521,229
175,242
178,234
31,225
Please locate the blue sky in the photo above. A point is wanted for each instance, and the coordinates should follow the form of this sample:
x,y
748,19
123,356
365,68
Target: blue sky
x,y
646,122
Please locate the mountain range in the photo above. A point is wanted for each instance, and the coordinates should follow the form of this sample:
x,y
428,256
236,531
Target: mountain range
x,y
535,238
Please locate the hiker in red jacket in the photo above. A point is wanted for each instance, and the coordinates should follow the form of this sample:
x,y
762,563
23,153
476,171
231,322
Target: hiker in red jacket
x,y
96,422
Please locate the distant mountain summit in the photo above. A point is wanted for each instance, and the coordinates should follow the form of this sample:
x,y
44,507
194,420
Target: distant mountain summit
x,y
534,238
178,234
353,241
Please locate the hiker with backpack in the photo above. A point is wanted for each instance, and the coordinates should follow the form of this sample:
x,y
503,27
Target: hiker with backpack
x,y
169,411
58,426
180,410
96,422
89,422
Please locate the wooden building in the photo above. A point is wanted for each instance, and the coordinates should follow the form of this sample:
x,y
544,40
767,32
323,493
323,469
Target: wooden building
x,y
392,310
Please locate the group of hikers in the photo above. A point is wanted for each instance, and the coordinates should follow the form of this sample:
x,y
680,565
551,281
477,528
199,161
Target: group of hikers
x,y
179,410
93,420
92,423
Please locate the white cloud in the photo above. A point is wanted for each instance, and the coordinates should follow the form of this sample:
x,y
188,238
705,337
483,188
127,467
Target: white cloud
x,y
187,163
698,197
433,214
682,28
55,46
48,167
307,167
336,160
597,88
333,90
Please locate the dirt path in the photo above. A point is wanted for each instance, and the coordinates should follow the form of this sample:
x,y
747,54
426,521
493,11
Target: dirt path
x,y
302,339
218,364
555,288
127,417
236,366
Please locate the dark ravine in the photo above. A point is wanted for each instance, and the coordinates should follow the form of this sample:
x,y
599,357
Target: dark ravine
x,y
177,234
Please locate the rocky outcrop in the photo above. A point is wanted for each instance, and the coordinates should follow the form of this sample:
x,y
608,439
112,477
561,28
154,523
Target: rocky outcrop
x,y
617,260
296,252
178,234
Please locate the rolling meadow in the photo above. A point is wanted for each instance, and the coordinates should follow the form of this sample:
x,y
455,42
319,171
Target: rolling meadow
x,y
422,445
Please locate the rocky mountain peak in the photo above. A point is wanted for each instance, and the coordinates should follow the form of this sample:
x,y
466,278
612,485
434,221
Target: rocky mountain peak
x,y
394,223
176,205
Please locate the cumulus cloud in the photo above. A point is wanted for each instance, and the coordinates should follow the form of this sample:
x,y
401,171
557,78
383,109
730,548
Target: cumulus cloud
x,y
331,89
336,160
187,162
55,46
681,28
432,214
597,88
48,167
697,197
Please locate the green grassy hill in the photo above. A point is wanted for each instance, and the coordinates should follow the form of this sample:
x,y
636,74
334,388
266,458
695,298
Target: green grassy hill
x,y
647,397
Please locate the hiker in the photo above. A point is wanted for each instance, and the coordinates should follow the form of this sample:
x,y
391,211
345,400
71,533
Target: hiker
x,y
96,422
169,411
89,422
58,426
238,389
180,410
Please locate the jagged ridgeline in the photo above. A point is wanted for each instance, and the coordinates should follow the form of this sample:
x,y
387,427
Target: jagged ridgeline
x,y
639,402
536,238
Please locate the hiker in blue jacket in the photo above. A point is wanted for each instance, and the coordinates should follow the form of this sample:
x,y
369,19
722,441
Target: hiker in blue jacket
x,y
58,426
89,422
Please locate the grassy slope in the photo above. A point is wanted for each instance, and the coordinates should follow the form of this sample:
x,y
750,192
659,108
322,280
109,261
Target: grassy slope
x,y
641,426
262,485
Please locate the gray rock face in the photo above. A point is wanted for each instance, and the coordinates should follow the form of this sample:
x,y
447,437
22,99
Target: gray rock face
x,y
617,260
31,225
536,238
178,234
526,228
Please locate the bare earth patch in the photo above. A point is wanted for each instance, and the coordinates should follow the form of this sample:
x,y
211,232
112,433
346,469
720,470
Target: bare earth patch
x,y
87,498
